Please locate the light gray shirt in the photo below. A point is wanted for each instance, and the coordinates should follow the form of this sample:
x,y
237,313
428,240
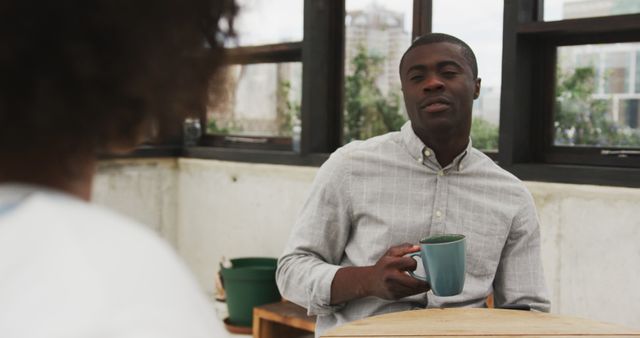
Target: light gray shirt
x,y
371,195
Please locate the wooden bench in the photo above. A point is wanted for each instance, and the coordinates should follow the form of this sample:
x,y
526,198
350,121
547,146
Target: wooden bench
x,y
282,320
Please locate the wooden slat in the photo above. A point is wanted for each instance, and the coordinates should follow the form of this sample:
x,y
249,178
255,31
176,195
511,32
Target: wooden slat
x,y
281,52
282,320
286,313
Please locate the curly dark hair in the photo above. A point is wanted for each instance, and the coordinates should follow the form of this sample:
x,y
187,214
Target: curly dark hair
x,y
89,75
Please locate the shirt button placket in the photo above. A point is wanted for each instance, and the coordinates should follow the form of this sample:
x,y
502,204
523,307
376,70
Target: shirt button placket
x,y
439,203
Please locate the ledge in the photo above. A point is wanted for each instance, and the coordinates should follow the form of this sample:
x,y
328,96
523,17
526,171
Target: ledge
x,y
147,152
255,156
577,174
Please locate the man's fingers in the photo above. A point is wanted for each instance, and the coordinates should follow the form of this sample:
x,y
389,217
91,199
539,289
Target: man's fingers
x,y
402,249
403,285
412,282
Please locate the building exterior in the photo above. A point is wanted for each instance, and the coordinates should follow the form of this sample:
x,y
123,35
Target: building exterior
x,y
380,32
616,66
260,100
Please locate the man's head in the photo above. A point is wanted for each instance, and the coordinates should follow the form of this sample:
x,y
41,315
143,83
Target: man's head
x,y
439,77
80,77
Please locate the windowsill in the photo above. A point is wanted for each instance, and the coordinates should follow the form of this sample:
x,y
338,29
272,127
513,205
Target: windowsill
x,y
255,156
147,151
577,174
558,173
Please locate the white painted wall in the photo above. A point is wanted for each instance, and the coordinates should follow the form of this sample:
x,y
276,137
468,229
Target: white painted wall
x,y
591,250
144,189
206,209
236,210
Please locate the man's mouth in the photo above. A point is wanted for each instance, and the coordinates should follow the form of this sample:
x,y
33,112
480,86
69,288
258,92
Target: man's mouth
x,y
435,105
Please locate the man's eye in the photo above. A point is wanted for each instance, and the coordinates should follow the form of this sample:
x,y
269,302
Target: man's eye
x,y
449,73
416,78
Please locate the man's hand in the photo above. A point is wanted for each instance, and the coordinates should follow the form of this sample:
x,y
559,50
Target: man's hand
x,y
386,279
389,279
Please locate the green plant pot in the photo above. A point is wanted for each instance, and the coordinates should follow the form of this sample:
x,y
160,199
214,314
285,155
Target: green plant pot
x,y
250,282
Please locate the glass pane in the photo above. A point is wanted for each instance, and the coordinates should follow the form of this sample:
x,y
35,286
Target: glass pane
x,y
484,36
262,100
595,104
616,69
574,9
261,22
629,113
637,63
377,34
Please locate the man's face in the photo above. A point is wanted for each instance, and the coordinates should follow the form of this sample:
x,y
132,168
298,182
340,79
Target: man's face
x,y
439,89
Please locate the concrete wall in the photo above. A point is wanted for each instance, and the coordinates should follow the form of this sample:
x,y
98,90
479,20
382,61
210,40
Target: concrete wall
x,y
591,250
145,189
207,209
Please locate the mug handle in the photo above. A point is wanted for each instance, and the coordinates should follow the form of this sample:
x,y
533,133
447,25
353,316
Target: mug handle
x,y
422,278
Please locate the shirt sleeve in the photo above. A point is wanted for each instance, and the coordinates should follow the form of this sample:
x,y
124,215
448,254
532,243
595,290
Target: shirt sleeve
x,y
519,278
317,241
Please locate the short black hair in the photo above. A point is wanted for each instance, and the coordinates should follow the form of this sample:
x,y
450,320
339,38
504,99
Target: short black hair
x,y
430,38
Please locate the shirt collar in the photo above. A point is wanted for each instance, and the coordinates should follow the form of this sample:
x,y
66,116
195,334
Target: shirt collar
x,y
421,153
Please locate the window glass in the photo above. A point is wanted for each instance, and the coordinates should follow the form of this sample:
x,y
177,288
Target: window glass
x,y
629,113
261,100
480,26
261,22
616,70
574,9
637,76
595,104
376,35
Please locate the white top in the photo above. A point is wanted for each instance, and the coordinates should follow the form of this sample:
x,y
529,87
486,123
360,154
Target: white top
x,y
72,269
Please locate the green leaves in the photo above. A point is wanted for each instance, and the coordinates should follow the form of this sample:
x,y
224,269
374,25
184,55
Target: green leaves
x,y
484,134
367,111
581,119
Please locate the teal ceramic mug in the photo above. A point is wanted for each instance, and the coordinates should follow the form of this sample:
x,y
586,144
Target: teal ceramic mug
x,y
443,258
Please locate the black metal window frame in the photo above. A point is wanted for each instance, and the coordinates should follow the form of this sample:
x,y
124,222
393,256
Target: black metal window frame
x,y
322,55
526,106
527,100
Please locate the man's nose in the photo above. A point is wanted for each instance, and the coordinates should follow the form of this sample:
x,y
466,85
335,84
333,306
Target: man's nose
x,y
433,83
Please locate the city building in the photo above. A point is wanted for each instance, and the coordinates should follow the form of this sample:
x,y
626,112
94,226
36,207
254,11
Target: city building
x,y
616,66
380,32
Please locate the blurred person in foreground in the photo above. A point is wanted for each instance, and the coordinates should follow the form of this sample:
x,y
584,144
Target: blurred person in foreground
x,y
373,200
80,78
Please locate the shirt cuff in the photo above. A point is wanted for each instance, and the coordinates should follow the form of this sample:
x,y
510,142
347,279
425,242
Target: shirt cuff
x,y
320,295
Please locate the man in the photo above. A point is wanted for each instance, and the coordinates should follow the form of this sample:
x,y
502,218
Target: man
x,y
82,77
346,259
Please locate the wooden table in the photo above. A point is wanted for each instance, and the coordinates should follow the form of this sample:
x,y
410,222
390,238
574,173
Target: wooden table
x,y
282,320
468,322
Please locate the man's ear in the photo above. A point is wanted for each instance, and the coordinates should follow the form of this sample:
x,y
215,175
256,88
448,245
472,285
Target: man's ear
x,y
476,92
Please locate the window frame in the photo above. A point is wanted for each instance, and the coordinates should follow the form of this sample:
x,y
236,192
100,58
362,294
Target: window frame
x,y
526,107
322,53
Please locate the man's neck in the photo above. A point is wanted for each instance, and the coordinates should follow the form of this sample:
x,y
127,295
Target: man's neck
x,y
446,149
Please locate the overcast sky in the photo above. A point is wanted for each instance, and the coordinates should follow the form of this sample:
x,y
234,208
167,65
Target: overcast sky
x,y
477,22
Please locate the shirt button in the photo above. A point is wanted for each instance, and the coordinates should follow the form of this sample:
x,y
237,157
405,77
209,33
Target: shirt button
x,y
419,159
440,173
438,214
426,153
